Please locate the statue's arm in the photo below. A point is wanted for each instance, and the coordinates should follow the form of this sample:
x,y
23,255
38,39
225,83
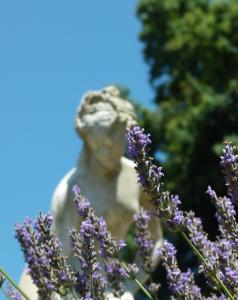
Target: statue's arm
x,y
58,205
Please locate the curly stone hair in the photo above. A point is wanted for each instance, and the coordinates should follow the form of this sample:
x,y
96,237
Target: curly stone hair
x,y
121,110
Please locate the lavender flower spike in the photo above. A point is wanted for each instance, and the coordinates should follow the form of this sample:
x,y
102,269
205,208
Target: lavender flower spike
x,y
83,245
136,136
83,205
181,284
229,164
43,254
150,178
108,246
138,143
207,248
226,217
116,275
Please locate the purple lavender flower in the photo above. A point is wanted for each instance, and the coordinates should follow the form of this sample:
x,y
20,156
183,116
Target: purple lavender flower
x,y
200,240
116,275
167,208
227,264
138,143
94,228
219,255
109,250
211,192
143,238
87,228
150,178
196,233
232,276
227,244
76,190
136,136
176,220
181,284
83,205
132,270
99,282
229,163
83,245
226,217
12,294
43,254
108,246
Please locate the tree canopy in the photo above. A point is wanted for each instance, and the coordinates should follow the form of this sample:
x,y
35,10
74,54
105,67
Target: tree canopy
x,y
191,48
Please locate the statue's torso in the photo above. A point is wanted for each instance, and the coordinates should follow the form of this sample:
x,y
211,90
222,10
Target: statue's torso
x,y
115,198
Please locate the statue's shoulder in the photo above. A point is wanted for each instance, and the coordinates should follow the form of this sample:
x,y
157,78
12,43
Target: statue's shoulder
x,y
127,165
128,190
128,171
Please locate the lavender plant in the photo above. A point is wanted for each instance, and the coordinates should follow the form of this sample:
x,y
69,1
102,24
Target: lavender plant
x,y
115,270
49,268
218,260
43,253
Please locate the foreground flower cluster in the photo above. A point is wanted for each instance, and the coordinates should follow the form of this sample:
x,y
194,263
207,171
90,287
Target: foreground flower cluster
x,y
218,260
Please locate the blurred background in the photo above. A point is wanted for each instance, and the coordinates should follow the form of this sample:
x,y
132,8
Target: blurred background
x,y
176,59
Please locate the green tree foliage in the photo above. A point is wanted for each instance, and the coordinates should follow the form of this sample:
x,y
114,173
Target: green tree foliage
x,y
191,47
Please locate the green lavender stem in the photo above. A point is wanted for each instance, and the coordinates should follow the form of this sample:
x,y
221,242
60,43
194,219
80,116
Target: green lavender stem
x,y
202,259
14,284
139,284
92,287
74,294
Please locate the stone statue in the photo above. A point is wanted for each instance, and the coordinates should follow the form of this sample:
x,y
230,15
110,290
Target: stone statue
x,y
105,176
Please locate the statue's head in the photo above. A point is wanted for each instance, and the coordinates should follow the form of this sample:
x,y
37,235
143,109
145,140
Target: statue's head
x,y
101,121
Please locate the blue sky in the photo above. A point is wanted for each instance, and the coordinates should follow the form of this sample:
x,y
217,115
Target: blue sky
x,y
51,53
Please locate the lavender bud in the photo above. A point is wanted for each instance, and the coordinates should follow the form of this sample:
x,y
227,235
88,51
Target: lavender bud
x,y
132,270
154,288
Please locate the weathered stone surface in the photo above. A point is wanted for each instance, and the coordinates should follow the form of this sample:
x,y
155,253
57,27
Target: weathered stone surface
x,y
105,176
